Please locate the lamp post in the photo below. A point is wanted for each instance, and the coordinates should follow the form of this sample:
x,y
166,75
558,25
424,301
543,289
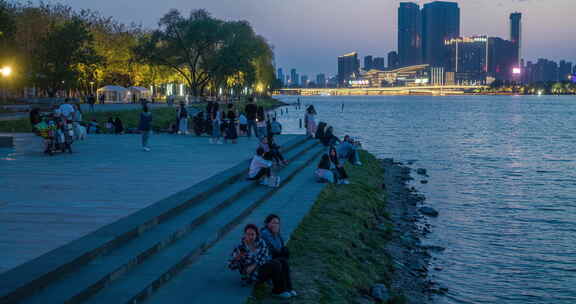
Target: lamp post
x,y
92,87
6,72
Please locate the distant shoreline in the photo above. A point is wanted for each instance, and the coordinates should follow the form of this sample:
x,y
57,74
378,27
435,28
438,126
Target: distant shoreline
x,y
354,92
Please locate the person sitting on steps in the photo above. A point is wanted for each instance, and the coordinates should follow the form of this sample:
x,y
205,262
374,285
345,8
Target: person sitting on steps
x,y
252,259
348,150
272,150
261,169
341,175
270,233
323,172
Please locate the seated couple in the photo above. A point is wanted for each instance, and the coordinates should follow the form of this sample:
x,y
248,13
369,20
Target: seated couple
x,y
348,151
272,150
261,169
262,256
330,169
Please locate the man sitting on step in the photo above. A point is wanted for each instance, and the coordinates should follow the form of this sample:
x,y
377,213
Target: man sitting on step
x,y
261,169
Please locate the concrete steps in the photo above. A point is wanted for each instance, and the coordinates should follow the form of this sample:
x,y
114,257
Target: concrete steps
x,y
128,260
208,280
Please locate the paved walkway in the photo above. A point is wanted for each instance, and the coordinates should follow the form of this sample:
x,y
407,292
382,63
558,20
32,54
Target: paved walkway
x,y
48,201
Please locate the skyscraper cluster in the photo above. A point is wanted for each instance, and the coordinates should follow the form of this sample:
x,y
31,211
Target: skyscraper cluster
x,y
429,36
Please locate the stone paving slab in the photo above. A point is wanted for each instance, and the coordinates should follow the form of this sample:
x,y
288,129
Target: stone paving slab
x,y
208,280
46,202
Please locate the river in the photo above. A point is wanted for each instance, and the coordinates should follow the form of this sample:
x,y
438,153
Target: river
x,y
502,175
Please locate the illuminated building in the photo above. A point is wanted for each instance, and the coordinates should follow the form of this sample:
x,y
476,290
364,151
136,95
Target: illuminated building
x,y
416,75
378,63
393,60
347,66
564,70
440,22
368,63
293,78
409,34
502,58
467,58
321,80
304,81
516,36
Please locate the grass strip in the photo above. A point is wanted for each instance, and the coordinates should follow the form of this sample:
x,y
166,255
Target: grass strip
x,y
162,117
338,251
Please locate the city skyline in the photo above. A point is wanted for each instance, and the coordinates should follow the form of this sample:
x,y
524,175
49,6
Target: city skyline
x,y
310,36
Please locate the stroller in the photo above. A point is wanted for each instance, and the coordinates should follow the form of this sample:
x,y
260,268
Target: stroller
x,y
58,134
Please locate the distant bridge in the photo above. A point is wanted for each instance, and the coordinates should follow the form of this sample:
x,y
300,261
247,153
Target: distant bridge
x,y
413,90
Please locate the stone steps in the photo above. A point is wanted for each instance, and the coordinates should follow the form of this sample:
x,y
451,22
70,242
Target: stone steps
x,y
208,280
74,272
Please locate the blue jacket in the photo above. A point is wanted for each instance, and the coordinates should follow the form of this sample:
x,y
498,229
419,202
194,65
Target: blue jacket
x,y
145,121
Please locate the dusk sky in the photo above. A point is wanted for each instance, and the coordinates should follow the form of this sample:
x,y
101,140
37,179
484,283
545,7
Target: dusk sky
x,y
309,35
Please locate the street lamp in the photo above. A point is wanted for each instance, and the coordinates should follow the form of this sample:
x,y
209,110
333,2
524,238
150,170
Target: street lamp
x,y
6,71
92,87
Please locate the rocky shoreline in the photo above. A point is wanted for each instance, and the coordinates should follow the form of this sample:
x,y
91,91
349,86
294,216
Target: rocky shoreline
x,y
407,212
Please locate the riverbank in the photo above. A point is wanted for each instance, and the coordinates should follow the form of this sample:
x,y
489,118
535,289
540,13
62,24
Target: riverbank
x,y
163,117
357,244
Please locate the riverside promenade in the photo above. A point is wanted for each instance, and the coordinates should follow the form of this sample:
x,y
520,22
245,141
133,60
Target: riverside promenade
x,y
113,224
46,202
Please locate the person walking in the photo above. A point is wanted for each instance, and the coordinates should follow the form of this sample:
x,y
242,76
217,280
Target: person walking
x,y
91,102
182,119
145,126
251,111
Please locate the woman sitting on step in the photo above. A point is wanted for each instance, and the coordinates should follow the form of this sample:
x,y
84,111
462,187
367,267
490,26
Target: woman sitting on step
x,y
261,169
272,150
252,259
341,174
323,173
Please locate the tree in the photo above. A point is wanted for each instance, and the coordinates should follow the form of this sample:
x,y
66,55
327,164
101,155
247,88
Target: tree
x,y
60,53
7,30
183,44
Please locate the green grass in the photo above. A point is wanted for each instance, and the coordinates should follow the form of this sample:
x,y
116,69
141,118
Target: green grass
x,y
162,118
338,251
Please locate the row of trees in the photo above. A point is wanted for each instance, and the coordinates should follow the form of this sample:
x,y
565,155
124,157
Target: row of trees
x,y
557,88
54,48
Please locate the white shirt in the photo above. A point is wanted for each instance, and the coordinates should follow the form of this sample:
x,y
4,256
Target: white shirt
x,y
258,163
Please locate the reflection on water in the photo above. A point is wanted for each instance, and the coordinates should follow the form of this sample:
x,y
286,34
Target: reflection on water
x,y
502,174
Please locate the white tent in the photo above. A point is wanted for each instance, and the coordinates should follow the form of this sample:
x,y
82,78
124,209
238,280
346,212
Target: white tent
x,y
113,94
139,93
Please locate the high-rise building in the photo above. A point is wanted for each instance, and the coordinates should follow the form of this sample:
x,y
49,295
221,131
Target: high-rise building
x,y
409,34
304,81
393,60
516,36
564,70
280,76
347,66
378,63
502,59
368,63
468,58
321,80
293,77
440,22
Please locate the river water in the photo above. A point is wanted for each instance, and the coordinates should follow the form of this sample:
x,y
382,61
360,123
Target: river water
x,y
502,175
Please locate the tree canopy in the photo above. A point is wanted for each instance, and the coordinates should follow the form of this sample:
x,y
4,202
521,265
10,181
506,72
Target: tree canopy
x,y
208,53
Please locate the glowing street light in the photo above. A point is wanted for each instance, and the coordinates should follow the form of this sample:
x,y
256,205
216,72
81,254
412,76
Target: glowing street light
x,y
6,71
